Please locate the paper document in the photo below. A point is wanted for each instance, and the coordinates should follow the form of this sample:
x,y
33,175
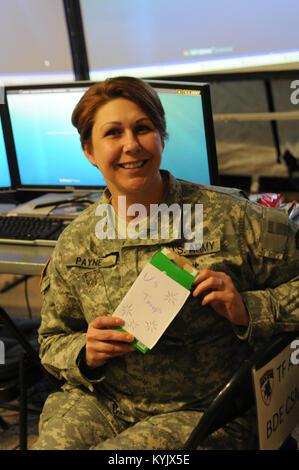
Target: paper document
x,y
155,298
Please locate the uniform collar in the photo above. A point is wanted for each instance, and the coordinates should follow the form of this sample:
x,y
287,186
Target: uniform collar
x,y
173,196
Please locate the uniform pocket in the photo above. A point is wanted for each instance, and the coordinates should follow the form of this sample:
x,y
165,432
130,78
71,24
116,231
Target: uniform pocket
x,y
91,290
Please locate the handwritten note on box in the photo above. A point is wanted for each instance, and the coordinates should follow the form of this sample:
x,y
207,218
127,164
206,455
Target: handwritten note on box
x,y
154,299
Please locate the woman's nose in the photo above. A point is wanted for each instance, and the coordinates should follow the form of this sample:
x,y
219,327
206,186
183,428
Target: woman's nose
x,y
131,143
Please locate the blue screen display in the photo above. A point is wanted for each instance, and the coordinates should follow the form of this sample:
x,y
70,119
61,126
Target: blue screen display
x,y
185,153
34,43
154,38
5,181
48,147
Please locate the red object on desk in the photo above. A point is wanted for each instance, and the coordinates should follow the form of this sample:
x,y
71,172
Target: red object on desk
x,y
271,200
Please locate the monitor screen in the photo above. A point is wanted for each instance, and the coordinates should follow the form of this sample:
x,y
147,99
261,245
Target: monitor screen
x,y
48,149
155,38
5,180
34,42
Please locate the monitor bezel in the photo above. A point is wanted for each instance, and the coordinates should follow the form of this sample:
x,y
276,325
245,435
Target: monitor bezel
x,y
9,147
204,89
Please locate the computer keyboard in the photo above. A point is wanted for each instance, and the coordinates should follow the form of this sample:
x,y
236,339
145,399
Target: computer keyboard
x,y
31,230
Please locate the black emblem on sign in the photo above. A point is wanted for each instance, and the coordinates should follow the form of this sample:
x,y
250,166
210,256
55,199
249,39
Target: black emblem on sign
x,y
266,386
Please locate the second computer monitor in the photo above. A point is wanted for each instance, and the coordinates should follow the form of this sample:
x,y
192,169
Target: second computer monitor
x,y
5,179
48,149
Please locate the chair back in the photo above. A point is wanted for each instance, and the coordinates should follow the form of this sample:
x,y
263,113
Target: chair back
x,y
238,395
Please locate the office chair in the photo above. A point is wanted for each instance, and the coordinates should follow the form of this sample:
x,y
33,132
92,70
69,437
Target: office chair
x,y
21,367
237,396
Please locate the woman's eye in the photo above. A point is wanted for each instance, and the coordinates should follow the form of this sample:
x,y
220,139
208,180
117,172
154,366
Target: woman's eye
x,y
112,132
143,128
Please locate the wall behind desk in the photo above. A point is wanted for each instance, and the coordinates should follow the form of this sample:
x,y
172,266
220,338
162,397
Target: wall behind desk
x,y
14,300
248,148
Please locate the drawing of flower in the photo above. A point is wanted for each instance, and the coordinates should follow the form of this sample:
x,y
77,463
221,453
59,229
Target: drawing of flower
x,y
171,297
126,310
151,326
132,325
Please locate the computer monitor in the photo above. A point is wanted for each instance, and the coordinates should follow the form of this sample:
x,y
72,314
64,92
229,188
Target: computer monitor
x,y
5,179
48,150
34,42
154,38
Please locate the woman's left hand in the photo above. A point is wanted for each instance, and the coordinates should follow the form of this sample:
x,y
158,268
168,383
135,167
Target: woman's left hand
x,y
218,290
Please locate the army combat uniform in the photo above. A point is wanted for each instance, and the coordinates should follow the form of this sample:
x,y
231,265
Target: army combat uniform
x,y
154,400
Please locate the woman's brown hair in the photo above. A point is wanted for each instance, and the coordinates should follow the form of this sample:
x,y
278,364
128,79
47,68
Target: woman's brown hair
x,y
133,89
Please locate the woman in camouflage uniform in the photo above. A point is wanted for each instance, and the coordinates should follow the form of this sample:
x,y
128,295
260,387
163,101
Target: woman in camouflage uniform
x,y
115,397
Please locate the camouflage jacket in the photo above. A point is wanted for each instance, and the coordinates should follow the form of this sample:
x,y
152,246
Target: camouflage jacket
x,y
200,350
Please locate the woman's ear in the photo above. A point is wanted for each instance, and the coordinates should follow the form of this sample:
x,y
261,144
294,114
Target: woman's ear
x,y
88,154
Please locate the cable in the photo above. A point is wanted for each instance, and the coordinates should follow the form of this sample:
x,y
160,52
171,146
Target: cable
x,y
27,298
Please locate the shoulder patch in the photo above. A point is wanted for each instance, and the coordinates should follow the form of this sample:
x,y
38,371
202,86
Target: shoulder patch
x,y
275,235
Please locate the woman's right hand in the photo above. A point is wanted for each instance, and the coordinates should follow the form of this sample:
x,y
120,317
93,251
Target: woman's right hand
x,y
103,342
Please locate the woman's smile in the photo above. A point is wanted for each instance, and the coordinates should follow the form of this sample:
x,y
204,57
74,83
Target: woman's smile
x,y
133,165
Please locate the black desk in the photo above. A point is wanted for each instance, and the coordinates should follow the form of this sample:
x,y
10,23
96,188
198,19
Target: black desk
x,y
23,259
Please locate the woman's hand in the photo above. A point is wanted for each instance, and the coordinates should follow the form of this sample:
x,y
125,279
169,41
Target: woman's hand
x,y
103,343
219,291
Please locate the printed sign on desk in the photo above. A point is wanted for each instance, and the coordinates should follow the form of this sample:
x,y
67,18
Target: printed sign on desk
x,y
277,398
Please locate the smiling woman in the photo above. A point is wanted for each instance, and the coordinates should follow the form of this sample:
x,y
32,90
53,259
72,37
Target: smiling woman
x,y
246,290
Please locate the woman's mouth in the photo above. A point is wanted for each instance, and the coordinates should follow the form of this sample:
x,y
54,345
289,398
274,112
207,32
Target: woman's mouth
x,y
132,165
